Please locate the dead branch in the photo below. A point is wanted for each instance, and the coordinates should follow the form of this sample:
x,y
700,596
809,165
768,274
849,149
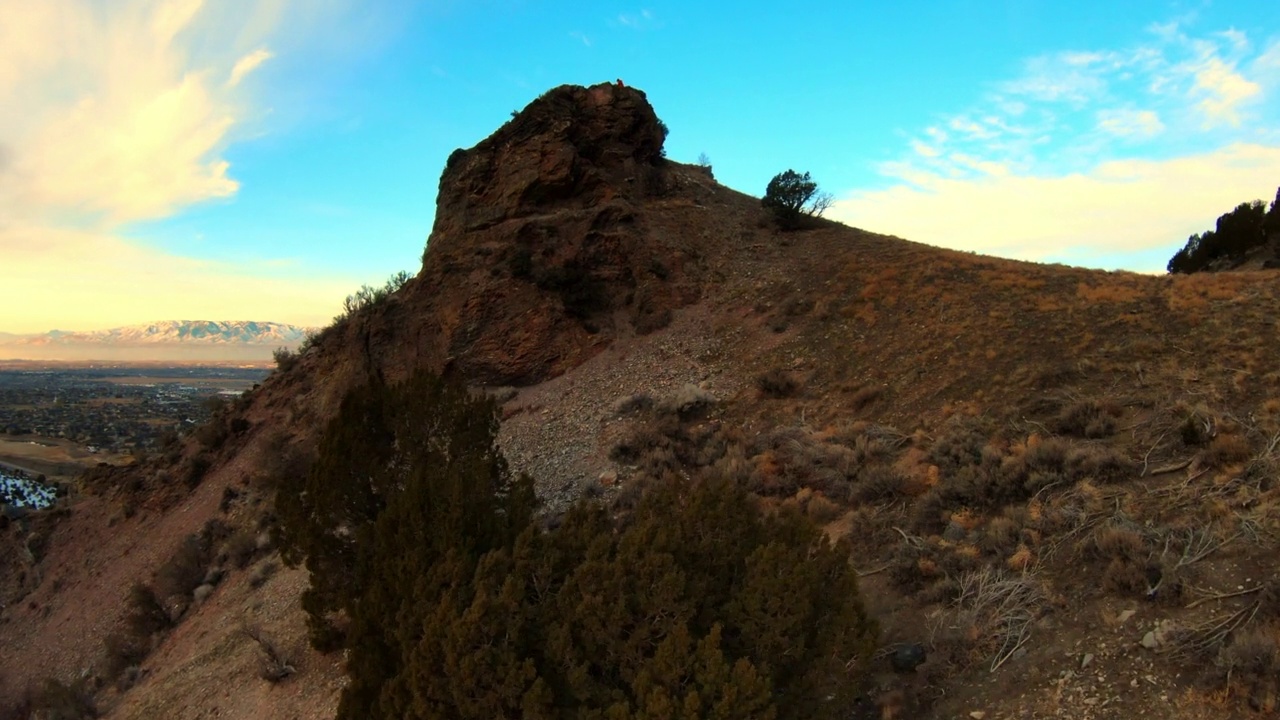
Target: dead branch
x,y
1224,596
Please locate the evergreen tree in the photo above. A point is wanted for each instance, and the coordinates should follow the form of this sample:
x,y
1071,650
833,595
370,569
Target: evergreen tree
x,y
458,606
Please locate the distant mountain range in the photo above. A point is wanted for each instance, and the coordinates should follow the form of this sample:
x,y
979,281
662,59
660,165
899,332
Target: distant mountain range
x,y
179,340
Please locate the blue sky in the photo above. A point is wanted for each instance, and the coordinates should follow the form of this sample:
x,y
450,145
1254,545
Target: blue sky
x,y
179,159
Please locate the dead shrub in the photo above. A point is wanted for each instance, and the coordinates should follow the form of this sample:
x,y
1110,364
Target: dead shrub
x,y
1125,576
263,574
273,665
54,700
1102,464
786,459
777,383
633,404
687,402
817,506
241,548
864,396
1227,449
1118,541
990,619
229,496
1086,419
958,447
214,531
120,653
1000,536
1253,655
879,483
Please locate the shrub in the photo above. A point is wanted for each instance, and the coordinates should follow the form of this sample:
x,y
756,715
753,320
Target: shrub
x,y
183,572
57,701
262,574
633,404
273,665
696,604
687,402
197,469
879,484
777,383
146,615
122,652
791,197
1086,419
285,359
241,547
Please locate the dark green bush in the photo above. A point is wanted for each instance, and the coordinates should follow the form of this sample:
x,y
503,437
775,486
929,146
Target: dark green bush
x,y
1235,233
460,606
791,197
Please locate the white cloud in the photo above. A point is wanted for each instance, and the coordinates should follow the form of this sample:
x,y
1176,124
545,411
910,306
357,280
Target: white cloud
x,y
1091,153
1223,90
924,149
120,112
248,64
1130,123
1115,207
118,122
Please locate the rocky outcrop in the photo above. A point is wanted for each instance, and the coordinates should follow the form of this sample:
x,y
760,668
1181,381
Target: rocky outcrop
x,y
540,254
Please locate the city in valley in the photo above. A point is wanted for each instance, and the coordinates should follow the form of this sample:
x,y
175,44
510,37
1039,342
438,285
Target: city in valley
x,y
57,419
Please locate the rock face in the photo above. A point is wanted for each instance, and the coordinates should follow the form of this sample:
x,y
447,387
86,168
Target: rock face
x,y
540,254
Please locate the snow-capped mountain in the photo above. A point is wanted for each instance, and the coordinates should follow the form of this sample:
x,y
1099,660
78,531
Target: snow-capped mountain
x,y
181,331
164,340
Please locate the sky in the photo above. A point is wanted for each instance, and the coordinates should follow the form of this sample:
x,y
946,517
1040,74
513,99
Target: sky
x,y
262,159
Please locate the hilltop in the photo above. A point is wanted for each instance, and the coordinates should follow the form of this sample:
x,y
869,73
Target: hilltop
x,y
1059,482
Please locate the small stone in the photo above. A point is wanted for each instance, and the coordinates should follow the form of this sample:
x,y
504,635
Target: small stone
x,y
1149,641
609,478
907,657
977,715
1133,682
1086,660
1125,616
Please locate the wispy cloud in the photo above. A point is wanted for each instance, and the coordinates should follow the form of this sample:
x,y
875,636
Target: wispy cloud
x,y
1223,91
1115,208
118,123
642,20
248,64
1092,152
126,111
1130,123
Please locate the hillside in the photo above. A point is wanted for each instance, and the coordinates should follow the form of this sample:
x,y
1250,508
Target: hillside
x,y
173,340
1059,482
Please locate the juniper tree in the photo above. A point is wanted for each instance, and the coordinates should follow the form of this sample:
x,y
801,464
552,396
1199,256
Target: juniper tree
x,y
791,196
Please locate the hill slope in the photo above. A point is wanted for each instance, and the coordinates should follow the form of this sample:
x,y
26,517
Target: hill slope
x,y
1019,454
